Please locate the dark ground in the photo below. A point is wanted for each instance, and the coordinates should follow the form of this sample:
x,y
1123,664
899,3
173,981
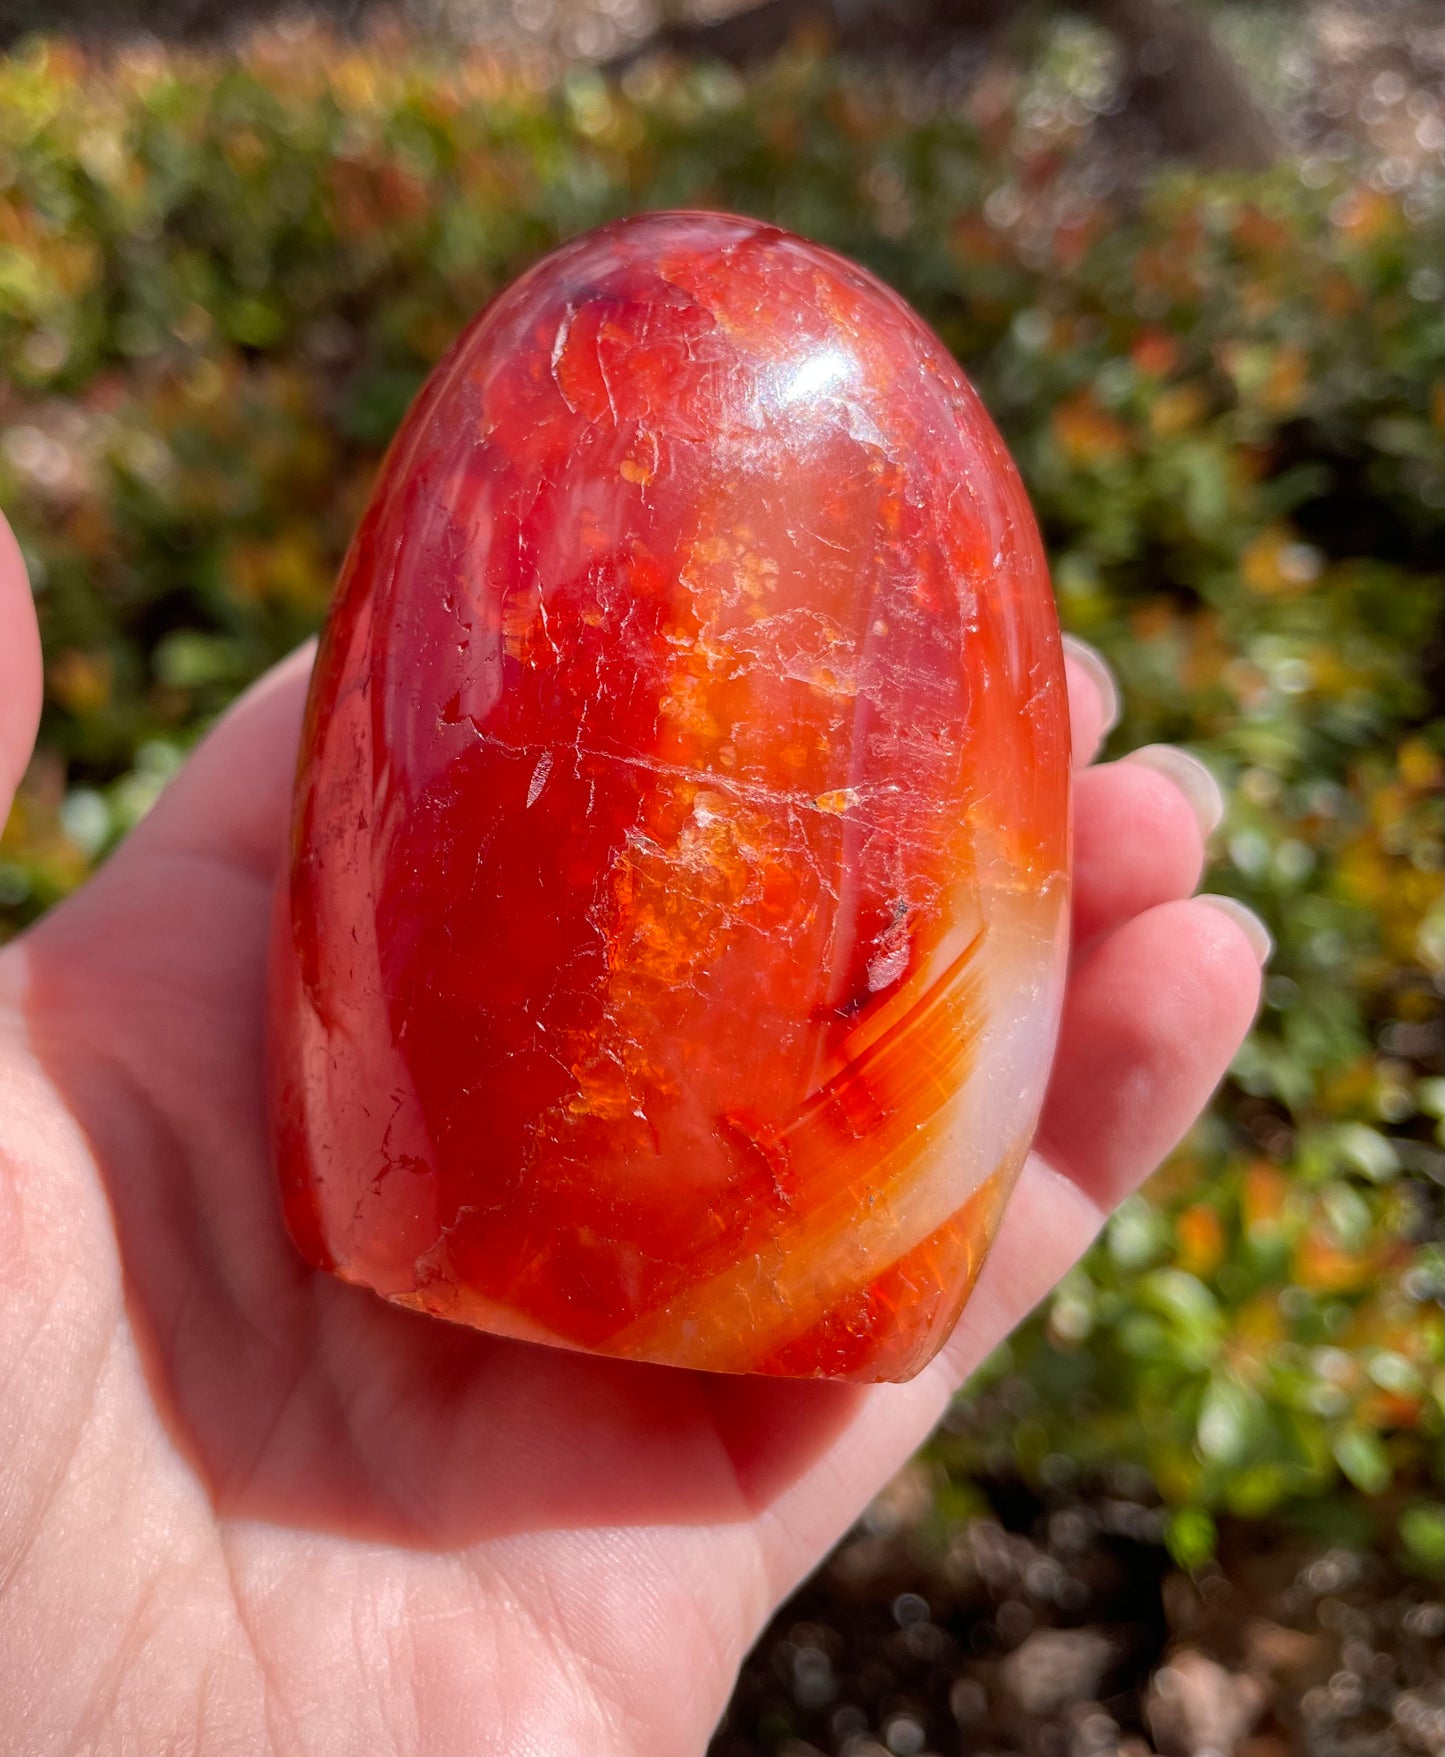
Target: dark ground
x,y
1063,1630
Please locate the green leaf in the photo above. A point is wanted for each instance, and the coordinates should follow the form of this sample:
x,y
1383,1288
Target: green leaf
x,y
1190,1537
1137,1234
1367,1151
1228,1422
1422,1531
1363,1458
1188,1304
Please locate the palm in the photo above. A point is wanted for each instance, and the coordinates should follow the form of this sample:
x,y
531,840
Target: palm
x,y
246,1508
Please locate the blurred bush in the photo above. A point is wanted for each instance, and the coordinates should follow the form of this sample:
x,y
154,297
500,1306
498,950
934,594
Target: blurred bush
x,y
222,280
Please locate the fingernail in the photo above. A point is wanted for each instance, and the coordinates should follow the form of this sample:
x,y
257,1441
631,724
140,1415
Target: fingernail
x,y
1101,675
1189,775
1246,921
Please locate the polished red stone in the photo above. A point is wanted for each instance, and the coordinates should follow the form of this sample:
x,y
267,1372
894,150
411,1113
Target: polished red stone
x,y
671,954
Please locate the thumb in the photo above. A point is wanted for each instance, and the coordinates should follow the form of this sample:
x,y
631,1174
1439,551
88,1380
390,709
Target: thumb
x,y
20,673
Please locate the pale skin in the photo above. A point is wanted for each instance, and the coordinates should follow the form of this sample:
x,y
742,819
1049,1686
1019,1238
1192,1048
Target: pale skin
x,y
245,1509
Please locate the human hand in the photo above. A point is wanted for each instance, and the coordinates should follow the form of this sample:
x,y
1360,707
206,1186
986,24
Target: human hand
x,y
246,1509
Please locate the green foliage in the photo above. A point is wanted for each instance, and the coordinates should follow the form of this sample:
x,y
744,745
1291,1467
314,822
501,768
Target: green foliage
x,y
221,282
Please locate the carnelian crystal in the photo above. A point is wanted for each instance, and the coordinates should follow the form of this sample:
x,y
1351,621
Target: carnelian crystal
x,y
669,959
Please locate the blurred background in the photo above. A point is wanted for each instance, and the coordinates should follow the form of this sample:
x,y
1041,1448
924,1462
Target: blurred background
x,y
1192,256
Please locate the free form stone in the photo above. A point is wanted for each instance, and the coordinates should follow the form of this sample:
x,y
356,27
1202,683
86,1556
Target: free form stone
x,y
670,955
